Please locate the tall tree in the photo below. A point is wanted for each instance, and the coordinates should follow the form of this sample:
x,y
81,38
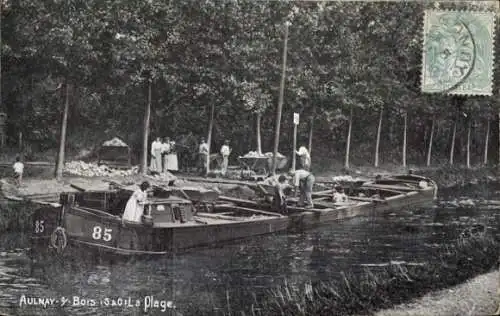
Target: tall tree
x,y
431,141
379,130
258,101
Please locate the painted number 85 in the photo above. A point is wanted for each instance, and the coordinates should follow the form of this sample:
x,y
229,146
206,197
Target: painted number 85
x,y
39,228
99,234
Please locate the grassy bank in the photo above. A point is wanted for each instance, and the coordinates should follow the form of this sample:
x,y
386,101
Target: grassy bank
x,y
365,293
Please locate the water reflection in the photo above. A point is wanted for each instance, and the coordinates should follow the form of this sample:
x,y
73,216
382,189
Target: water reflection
x,y
240,272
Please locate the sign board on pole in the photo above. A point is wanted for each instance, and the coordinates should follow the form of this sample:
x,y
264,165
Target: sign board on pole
x,y
296,118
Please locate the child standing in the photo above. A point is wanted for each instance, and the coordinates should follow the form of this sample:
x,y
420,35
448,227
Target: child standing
x,y
18,171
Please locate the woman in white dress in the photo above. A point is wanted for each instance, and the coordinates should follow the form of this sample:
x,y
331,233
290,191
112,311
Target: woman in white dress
x,y
156,155
172,161
165,149
135,205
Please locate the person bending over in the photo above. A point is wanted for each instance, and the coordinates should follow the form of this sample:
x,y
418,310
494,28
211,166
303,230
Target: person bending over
x,y
304,180
135,205
280,192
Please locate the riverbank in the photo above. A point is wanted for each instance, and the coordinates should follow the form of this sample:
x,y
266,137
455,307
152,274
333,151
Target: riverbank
x,y
39,180
478,296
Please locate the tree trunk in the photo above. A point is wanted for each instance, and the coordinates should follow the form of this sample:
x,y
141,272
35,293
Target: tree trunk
x,y
499,138
62,140
259,141
469,128
379,130
209,138
452,149
21,146
145,132
486,143
348,143
280,103
431,138
405,129
311,134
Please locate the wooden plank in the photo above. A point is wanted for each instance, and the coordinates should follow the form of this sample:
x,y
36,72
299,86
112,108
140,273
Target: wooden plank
x,y
389,188
251,210
217,180
303,209
321,199
366,199
223,217
238,201
74,186
320,193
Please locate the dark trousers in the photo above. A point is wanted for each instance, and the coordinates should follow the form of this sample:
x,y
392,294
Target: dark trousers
x,y
279,202
202,163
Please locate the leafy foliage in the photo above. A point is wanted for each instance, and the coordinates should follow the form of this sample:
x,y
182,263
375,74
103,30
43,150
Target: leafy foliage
x,y
341,56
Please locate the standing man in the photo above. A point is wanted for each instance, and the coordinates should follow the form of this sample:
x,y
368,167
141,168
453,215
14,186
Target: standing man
x,y
304,180
305,158
202,156
225,152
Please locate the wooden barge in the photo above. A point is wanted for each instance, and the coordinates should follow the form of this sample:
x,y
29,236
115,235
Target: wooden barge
x,y
181,218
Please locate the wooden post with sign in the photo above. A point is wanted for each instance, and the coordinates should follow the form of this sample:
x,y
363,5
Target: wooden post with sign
x,y
295,124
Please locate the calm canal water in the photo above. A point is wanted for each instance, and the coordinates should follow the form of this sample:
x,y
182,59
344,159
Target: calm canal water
x,y
240,272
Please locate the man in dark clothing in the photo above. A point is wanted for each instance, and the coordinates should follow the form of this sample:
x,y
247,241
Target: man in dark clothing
x,y
279,199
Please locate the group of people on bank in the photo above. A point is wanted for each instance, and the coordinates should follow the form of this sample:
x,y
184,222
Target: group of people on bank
x,y
297,182
203,156
163,155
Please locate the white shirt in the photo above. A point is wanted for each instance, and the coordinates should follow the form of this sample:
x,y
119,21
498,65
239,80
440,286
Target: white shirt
x,y
135,206
19,167
165,147
203,148
303,151
299,175
423,184
225,151
155,146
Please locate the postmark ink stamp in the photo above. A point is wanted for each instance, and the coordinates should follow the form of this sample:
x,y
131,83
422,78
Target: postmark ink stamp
x,y
458,52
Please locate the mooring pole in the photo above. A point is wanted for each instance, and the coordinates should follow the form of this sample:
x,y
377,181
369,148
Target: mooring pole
x,y
280,102
294,146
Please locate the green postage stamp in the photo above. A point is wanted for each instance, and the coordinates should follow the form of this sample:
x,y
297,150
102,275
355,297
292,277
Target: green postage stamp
x,y
458,52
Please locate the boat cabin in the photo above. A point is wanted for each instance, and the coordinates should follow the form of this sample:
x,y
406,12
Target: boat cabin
x,y
157,210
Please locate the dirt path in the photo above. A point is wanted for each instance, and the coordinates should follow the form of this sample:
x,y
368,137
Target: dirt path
x,y
477,297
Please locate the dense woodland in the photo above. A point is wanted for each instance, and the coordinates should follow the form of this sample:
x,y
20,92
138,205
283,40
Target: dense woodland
x,y
352,72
